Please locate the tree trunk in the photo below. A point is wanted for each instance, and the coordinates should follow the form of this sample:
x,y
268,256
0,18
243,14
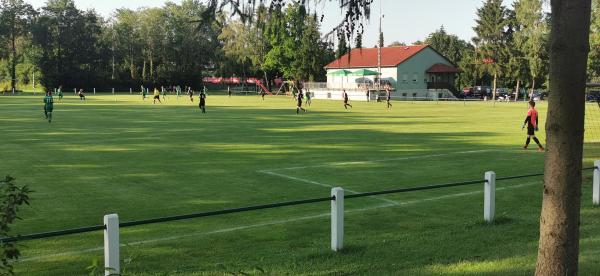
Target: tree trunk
x,y
151,68
267,82
144,71
494,88
518,90
13,62
558,251
532,88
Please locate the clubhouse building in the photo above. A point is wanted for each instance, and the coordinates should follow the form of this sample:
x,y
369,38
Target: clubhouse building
x,y
413,73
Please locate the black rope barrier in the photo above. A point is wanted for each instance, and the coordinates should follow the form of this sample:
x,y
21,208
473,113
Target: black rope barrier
x,y
226,211
519,176
54,233
253,208
420,188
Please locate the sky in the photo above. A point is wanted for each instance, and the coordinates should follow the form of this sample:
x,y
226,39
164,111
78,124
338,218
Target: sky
x,y
404,20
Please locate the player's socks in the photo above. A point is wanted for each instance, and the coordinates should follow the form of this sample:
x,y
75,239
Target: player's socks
x,y
540,147
527,142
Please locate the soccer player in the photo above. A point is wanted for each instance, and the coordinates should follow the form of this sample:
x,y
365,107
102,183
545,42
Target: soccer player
x,y
202,99
81,95
308,98
300,97
262,94
388,96
156,96
60,93
48,106
345,96
164,92
531,121
229,91
190,93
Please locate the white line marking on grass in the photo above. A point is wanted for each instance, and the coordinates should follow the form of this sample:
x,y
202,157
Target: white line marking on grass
x,y
278,222
272,172
322,185
377,160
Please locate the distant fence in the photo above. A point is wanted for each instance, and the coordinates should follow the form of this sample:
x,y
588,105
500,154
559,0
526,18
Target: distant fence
x,y
111,223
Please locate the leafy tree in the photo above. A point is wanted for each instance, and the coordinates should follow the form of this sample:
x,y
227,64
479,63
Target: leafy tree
x,y
15,19
470,69
69,42
531,39
446,44
491,39
313,54
127,42
358,41
275,33
593,69
398,43
12,197
342,46
355,10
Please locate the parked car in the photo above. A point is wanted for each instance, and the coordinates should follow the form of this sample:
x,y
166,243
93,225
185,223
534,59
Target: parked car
x,y
593,96
483,91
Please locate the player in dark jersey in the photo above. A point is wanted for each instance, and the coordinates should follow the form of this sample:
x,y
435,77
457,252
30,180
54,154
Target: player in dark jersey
x,y
345,96
202,99
531,121
48,106
388,97
299,99
229,91
81,95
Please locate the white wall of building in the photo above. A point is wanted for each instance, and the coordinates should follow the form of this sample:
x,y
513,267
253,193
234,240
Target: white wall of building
x,y
325,94
349,82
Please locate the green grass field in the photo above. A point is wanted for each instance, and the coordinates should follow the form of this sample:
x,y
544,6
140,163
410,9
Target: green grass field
x,y
142,161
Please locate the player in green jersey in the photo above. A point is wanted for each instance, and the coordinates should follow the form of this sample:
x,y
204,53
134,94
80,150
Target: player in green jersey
x,y
48,106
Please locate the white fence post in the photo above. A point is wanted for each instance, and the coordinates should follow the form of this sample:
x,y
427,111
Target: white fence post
x,y
111,245
596,184
337,219
489,201
130,91
94,90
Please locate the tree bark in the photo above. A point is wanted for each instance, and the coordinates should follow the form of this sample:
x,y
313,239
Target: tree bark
x,y
518,90
558,251
13,62
532,88
494,88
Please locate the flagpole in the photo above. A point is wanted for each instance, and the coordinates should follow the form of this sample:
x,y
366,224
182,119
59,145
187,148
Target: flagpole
x,y
379,52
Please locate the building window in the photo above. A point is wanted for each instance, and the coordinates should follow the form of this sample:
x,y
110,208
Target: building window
x,y
403,94
404,77
415,77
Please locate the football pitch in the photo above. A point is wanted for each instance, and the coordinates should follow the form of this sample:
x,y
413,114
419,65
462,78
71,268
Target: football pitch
x,y
142,160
